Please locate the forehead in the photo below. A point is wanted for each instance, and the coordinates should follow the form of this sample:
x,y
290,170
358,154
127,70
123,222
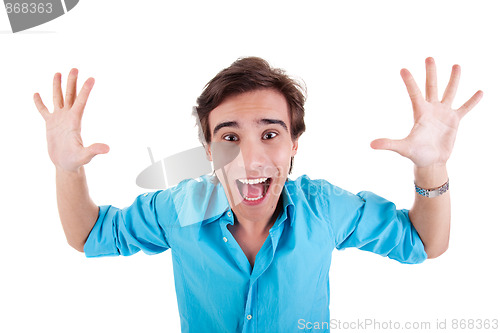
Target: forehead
x,y
249,106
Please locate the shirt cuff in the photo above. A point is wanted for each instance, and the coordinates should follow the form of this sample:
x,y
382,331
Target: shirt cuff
x,y
101,240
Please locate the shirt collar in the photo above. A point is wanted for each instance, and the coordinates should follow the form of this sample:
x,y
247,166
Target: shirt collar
x,y
199,200
288,205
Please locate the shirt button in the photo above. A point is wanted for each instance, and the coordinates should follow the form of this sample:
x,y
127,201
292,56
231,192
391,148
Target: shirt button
x,y
249,317
229,214
225,239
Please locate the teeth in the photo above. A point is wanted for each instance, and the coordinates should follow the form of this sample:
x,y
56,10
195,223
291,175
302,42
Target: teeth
x,y
252,199
252,181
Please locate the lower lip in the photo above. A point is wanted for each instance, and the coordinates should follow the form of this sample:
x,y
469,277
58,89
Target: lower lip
x,y
257,202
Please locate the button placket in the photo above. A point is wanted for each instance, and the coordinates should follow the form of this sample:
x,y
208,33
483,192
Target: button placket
x,y
231,244
228,214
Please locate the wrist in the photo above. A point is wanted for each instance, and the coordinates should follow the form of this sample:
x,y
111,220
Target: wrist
x,y
70,173
431,176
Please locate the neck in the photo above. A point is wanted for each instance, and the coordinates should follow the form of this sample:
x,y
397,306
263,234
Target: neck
x,y
253,227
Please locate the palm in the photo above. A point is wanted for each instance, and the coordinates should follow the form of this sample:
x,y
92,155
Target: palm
x,y
64,143
433,134
431,139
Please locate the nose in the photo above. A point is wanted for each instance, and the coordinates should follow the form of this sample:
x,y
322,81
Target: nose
x,y
253,156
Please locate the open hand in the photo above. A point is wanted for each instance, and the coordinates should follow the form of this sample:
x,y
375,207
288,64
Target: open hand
x,y
431,139
63,126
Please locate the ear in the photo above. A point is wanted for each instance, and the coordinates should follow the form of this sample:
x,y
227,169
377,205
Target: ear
x,y
295,146
208,151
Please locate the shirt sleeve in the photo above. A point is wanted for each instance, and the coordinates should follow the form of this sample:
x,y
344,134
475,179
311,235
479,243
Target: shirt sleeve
x,y
127,231
371,223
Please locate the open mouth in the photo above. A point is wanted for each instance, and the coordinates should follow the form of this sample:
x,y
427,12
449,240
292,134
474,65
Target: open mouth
x,y
253,189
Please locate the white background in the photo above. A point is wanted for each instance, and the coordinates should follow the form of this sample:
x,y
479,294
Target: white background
x,y
151,60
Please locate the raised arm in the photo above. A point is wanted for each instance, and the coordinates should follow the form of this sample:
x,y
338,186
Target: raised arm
x,y
77,211
428,146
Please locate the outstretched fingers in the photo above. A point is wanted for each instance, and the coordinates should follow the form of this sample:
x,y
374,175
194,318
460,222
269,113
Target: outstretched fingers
x,y
71,88
431,89
40,106
57,92
411,86
451,88
93,150
399,146
81,99
470,104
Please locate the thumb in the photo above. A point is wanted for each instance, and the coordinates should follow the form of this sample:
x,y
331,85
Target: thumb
x,y
398,146
95,149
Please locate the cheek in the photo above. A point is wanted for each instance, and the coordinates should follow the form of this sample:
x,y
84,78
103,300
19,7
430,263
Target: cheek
x,y
224,181
281,157
224,153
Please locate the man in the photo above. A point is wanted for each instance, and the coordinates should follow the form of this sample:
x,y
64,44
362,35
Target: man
x,y
252,249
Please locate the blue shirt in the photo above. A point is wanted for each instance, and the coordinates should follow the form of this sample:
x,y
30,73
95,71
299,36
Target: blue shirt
x,y
217,289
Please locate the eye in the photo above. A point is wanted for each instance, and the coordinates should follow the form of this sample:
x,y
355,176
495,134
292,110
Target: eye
x,y
230,137
269,135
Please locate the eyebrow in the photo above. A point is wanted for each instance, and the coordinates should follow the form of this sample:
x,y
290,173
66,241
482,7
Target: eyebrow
x,y
226,124
266,121
263,121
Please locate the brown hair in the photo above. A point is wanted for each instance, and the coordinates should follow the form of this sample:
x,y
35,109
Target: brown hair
x,y
245,75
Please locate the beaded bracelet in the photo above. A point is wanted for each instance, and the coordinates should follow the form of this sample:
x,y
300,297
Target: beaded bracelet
x,y
433,192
